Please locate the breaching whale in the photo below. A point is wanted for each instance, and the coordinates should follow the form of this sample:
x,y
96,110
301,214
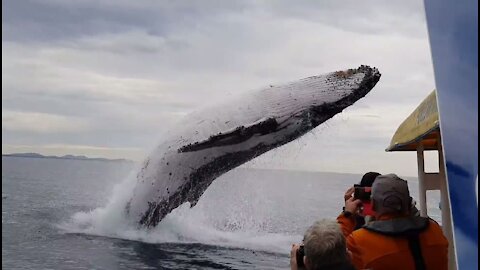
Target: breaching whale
x,y
215,140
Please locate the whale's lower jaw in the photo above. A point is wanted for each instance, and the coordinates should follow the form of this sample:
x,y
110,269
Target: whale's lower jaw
x,y
225,151
326,111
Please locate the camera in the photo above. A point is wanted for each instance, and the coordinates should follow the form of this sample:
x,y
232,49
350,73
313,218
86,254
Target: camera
x,y
362,193
299,255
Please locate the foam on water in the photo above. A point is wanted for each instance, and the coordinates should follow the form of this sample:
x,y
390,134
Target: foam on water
x,y
238,224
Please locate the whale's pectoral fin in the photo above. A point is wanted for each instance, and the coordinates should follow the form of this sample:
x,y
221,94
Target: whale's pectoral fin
x,y
235,136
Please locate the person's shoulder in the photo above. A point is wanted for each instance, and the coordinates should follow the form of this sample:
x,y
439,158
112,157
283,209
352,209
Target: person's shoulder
x,y
435,229
360,234
433,222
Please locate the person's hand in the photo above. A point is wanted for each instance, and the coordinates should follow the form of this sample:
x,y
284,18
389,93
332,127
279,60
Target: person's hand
x,y
352,205
349,193
293,257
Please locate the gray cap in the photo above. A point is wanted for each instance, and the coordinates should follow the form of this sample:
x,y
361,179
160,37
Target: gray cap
x,y
390,194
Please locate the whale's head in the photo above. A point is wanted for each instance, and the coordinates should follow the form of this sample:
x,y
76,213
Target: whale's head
x,y
311,101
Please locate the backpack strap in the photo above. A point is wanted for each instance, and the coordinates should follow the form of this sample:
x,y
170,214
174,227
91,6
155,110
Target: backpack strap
x,y
416,251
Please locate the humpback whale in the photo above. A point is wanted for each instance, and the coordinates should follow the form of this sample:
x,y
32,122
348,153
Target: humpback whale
x,y
212,141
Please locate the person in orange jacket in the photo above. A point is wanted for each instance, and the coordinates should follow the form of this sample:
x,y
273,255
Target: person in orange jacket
x,y
395,239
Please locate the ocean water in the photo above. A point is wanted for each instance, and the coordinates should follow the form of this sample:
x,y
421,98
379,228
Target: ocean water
x,y
66,214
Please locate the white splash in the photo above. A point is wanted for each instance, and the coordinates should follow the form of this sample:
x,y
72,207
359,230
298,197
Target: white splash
x,y
241,222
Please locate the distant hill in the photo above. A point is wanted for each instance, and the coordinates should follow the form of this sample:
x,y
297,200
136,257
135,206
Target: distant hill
x,y
36,155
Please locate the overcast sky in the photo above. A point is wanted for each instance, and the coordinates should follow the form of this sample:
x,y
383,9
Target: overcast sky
x,y
107,78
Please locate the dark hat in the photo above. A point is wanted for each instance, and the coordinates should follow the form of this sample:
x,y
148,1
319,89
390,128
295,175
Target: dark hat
x,y
368,179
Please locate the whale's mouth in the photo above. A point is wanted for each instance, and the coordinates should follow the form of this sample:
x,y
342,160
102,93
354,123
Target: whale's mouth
x,y
319,114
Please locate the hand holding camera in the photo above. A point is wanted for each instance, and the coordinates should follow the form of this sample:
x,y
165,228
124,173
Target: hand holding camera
x,y
352,205
299,254
349,193
296,257
361,202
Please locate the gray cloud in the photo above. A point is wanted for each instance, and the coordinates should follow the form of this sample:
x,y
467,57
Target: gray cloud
x,y
48,20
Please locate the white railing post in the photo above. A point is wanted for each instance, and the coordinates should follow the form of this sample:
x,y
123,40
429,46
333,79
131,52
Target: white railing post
x,y
422,192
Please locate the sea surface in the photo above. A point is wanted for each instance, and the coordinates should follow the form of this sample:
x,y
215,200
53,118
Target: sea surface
x,y
66,214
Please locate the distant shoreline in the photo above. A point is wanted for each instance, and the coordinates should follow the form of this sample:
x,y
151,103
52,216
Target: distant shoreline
x,y
70,157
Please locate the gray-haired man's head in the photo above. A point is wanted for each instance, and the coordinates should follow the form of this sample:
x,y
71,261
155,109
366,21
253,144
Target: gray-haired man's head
x,y
325,246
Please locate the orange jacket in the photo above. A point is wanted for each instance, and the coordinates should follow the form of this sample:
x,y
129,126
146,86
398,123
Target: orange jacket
x,y
380,247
